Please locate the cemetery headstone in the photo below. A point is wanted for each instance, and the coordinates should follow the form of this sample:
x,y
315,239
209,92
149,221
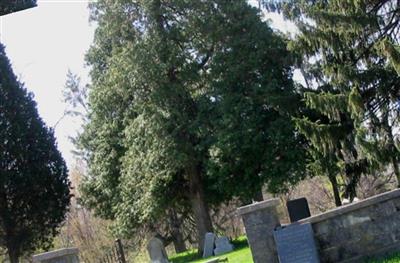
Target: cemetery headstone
x,y
208,245
298,209
295,244
65,255
156,250
222,245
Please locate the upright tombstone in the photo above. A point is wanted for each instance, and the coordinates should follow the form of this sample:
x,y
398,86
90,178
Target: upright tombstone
x,y
209,245
298,209
65,255
157,251
260,219
295,244
222,245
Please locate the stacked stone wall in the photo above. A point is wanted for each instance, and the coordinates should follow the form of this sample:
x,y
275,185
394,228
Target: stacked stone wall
x,y
350,233
354,232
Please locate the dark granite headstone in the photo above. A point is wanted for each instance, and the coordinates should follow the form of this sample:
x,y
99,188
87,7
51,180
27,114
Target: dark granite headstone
x,y
298,209
295,244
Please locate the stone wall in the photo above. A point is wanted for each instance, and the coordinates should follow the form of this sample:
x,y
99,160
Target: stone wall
x,y
65,255
351,233
367,228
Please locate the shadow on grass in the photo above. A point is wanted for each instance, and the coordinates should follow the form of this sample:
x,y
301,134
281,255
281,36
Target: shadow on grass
x,y
192,255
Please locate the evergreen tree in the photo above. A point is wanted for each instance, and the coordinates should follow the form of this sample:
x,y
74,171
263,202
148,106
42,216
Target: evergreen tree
x,y
7,7
351,87
254,140
34,188
173,85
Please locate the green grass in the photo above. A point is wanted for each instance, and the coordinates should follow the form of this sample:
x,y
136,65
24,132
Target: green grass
x,y
390,259
241,254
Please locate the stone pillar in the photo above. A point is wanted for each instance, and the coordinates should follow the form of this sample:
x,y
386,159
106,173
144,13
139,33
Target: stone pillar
x,y
260,219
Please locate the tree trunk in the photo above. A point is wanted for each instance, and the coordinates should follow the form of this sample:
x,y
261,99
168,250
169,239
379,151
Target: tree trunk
x,y
393,159
176,233
335,188
258,195
199,207
393,149
396,170
14,258
179,242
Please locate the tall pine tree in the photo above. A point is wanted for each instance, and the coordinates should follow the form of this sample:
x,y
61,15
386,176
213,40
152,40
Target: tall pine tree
x,y
352,89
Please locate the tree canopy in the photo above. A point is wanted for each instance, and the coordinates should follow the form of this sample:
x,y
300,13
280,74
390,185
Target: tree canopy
x,y
188,107
7,7
352,89
34,187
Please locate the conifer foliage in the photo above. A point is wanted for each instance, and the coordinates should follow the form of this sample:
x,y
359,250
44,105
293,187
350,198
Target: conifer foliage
x,y
7,7
352,90
186,107
34,188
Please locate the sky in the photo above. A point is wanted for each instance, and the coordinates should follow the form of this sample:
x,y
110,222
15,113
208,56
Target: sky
x,y
44,42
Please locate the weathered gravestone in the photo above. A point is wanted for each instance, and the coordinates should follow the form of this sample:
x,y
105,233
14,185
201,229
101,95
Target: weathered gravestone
x,y
157,251
298,209
295,244
222,245
208,245
66,255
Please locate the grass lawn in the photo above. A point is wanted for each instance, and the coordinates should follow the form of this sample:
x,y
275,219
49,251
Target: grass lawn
x,y
241,254
390,259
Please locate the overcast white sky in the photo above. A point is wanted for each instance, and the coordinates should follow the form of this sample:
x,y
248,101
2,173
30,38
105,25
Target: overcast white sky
x,y
43,43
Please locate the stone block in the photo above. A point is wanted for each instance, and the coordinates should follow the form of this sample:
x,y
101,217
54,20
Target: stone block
x,y
260,217
65,255
209,240
260,220
222,245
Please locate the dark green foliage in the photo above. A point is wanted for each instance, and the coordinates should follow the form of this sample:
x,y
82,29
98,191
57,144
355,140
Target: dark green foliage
x,y
11,6
189,106
350,83
34,188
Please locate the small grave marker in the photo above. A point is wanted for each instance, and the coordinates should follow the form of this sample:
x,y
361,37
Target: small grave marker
x,y
298,209
222,245
295,244
157,251
208,245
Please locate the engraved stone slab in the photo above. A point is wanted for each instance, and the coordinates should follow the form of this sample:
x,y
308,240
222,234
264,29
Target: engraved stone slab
x,y
298,209
295,244
222,245
208,245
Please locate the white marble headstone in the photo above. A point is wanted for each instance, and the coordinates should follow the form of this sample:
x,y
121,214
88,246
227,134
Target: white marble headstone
x,y
157,251
222,245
